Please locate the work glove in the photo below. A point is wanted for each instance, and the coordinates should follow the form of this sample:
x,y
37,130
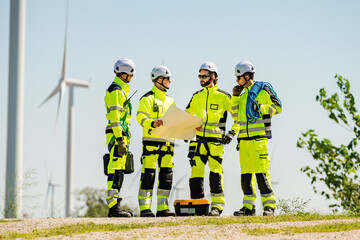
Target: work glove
x,y
228,137
237,90
255,106
121,147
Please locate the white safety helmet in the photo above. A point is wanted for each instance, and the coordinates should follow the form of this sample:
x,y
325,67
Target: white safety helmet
x,y
210,66
124,65
159,71
244,67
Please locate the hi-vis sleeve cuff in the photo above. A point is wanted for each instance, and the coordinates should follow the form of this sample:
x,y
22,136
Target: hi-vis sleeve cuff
x,y
270,109
144,119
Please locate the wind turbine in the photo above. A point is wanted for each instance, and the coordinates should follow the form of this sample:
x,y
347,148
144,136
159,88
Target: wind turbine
x,y
51,187
60,88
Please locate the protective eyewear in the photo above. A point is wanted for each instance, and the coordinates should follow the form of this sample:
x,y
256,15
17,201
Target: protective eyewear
x,y
203,76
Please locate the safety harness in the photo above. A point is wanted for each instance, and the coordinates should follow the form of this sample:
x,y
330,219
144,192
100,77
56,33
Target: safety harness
x,y
159,152
123,123
206,141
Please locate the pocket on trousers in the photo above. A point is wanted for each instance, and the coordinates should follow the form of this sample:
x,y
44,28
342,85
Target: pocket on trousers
x,y
106,159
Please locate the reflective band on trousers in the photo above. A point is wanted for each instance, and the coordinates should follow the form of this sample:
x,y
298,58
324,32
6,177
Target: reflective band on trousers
x,y
234,107
217,194
144,201
163,192
111,199
116,108
248,202
158,139
112,192
145,193
162,201
267,195
255,129
217,203
234,114
269,202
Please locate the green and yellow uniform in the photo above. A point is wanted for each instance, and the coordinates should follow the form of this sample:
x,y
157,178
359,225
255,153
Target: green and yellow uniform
x,y
118,117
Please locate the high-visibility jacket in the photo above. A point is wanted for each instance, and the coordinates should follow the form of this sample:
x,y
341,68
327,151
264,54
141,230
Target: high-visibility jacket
x,y
212,104
118,115
261,128
152,106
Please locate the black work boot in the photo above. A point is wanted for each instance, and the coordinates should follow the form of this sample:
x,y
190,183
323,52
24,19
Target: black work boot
x,y
268,211
165,213
244,211
147,213
215,212
117,211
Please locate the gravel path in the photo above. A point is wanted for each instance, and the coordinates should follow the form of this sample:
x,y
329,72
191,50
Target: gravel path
x,y
230,231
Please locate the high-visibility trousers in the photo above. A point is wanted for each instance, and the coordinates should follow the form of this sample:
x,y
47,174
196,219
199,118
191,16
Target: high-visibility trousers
x,y
162,154
115,170
210,152
255,163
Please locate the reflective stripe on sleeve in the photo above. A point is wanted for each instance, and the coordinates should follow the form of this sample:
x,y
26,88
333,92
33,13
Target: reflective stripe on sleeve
x,y
118,108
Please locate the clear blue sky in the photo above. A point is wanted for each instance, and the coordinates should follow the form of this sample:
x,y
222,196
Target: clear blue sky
x,y
298,46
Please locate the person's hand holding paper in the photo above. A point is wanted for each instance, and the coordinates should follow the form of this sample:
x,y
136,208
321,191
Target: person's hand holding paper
x,y
178,124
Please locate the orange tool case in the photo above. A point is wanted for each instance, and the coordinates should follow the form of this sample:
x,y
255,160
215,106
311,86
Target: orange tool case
x,y
192,207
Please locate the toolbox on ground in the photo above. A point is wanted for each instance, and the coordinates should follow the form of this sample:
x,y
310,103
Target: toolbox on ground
x,y
192,207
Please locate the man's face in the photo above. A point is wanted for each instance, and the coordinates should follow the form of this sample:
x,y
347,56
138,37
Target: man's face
x,y
205,76
241,80
165,81
126,77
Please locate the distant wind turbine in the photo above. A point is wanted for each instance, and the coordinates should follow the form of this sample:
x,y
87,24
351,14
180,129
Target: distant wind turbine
x,y
60,88
51,187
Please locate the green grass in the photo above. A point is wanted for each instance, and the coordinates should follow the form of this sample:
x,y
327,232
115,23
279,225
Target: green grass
x,y
328,227
12,220
81,228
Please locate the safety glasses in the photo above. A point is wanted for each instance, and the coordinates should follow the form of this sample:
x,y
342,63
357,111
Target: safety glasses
x,y
203,76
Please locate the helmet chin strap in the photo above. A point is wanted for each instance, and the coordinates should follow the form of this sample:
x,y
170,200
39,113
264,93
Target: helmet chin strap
x,y
162,84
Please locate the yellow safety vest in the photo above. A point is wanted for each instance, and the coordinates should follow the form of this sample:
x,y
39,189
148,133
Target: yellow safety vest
x,y
269,105
118,115
212,104
152,106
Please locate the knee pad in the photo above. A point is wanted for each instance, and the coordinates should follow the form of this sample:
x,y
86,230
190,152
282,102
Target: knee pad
x,y
246,184
196,187
147,179
215,182
263,183
118,179
165,178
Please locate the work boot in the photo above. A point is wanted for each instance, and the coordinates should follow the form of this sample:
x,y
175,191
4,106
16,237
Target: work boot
x,y
215,212
147,213
268,211
244,211
165,213
117,211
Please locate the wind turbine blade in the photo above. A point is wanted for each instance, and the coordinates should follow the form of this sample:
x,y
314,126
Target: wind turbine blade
x,y
48,191
55,91
61,97
77,83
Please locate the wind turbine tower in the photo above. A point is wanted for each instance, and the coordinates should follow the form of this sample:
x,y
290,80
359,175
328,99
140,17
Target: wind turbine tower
x,y
14,151
60,88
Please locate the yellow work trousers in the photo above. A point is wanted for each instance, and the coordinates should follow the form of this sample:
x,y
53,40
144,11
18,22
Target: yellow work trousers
x,y
255,162
161,155
210,152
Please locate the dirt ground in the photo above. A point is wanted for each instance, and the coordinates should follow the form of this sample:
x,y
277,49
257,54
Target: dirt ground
x,y
231,231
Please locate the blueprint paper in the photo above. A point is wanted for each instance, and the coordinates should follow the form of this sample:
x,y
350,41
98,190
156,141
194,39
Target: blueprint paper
x,y
178,124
